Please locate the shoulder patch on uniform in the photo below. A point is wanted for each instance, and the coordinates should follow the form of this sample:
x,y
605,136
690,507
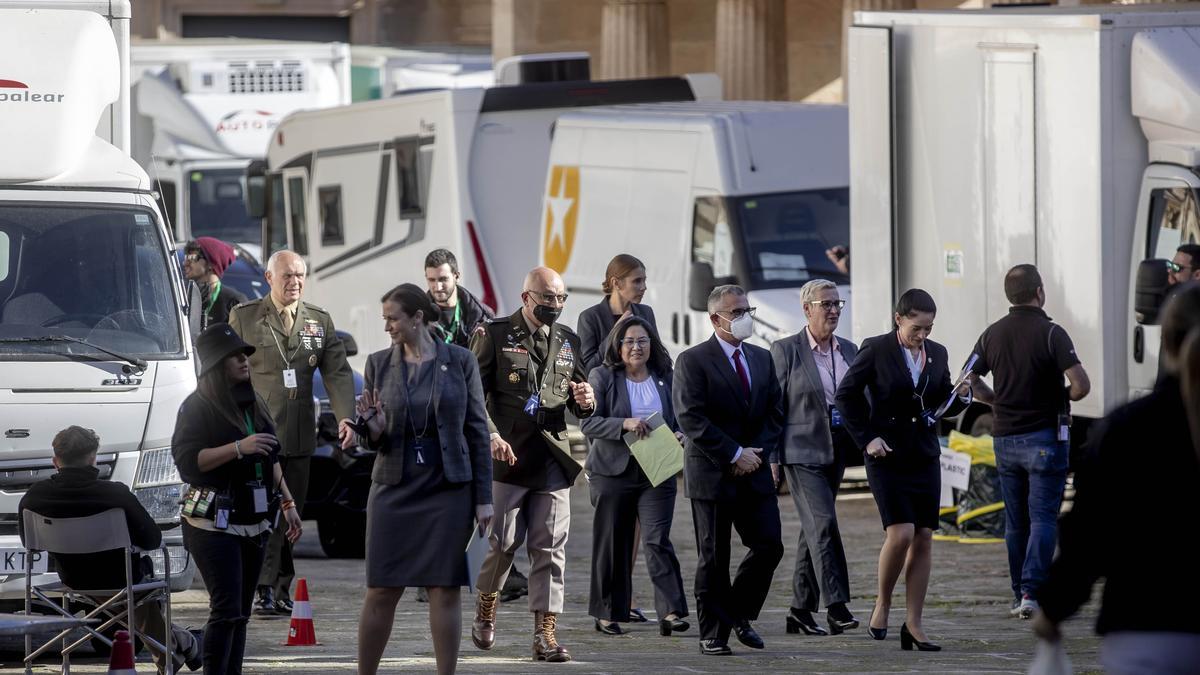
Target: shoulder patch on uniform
x,y
499,319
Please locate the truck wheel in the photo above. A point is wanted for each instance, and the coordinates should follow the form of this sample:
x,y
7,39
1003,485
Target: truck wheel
x,y
344,537
982,425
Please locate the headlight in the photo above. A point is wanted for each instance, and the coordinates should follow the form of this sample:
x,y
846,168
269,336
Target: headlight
x,y
156,467
162,502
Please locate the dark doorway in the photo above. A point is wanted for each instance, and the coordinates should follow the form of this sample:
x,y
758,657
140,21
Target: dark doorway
x,y
307,28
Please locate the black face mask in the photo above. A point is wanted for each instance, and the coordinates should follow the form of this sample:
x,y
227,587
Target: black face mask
x,y
546,314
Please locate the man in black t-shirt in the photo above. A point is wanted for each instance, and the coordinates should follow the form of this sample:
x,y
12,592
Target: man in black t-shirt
x,y
1028,355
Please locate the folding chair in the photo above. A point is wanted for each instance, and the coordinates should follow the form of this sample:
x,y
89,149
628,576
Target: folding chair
x,y
105,531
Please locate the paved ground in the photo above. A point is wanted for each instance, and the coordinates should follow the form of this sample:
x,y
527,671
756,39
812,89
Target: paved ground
x,y
966,613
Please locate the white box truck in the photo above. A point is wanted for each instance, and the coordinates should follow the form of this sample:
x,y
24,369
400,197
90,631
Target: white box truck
x,y
366,191
703,193
91,331
204,108
1064,137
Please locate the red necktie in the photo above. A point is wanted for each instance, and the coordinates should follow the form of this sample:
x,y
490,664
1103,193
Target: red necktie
x,y
741,373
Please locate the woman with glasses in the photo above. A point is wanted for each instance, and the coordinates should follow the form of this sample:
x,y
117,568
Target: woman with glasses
x,y
633,395
889,402
624,286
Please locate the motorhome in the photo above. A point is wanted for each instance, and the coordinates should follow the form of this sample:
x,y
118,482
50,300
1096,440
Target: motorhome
x,y
1067,137
91,331
206,107
703,193
366,191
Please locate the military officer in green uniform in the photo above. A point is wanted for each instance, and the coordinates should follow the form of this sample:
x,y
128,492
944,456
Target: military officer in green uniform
x,y
532,374
292,339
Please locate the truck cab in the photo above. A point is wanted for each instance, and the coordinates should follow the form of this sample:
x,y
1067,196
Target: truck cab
x,y
91,328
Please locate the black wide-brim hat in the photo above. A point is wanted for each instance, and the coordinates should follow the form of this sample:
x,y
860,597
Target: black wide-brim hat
x,y
217,342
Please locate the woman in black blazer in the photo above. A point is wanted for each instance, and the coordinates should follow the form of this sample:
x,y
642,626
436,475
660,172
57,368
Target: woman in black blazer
x,y
633,383
624,286
422,409
887,402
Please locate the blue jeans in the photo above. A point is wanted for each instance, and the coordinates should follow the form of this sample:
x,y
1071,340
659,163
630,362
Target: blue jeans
x,y
1033,472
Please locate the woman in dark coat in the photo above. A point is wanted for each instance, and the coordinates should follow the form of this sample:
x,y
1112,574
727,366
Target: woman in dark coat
x,y
422,409
225,448
624,287
888,400
633,384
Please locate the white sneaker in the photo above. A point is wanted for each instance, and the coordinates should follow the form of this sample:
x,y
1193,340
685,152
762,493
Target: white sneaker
x,y
1015,609
1027,607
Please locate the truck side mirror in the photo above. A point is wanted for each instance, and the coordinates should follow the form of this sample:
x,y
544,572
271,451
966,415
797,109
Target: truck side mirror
x,y
256,189
1150,290
348,342
701,282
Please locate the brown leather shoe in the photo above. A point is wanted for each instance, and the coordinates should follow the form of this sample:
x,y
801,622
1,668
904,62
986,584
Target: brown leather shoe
x,y
545,644
483,628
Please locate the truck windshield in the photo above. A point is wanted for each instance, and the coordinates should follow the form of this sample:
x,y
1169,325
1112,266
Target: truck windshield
x,y
217,206
786,235
96,273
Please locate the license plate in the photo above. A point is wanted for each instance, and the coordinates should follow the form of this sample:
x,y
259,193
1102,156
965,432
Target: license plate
x,y
12,561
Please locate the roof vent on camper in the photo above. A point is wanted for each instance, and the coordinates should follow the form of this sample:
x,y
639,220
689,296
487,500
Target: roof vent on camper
x,y
556,67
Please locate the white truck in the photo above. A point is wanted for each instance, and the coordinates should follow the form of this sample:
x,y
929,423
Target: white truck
x,y
1064,137
703,193
382,72
366,191
91,331
205,108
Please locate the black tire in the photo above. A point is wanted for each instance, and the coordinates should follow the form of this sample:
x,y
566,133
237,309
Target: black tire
x,y
982,425
344,537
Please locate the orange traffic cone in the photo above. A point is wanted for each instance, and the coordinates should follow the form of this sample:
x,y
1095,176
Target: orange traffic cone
x,y
302,633
121,661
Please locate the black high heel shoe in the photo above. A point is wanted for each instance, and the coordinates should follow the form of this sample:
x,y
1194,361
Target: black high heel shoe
x,y
875,633
668,626
609,629
800,621
907,641
839,619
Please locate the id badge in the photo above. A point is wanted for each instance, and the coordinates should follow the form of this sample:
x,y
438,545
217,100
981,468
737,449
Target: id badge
x,y
419,448
532,405
1064,428
289,378
835,418
260,499
224,506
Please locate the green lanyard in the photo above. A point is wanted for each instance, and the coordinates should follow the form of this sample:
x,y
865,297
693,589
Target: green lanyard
x,y
453,330
250,430
213,300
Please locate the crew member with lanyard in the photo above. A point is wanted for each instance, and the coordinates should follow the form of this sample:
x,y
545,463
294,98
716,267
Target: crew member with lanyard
x,y
209,301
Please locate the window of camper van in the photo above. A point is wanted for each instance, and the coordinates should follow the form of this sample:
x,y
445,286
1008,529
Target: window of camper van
x,y
330,198
414,162
712,242
1174,220
786,234
217,206
276,234
96,273
299,224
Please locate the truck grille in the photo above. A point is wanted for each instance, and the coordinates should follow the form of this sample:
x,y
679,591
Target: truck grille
x,y
18,474
266,77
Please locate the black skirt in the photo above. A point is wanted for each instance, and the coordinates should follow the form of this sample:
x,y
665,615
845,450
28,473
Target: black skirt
x,y
906,489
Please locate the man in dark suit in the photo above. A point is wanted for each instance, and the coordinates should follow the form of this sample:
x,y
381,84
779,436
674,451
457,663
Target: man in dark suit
x,y
730,407
813,452
531,373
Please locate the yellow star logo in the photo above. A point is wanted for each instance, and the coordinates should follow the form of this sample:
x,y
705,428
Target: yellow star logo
x,y
562,214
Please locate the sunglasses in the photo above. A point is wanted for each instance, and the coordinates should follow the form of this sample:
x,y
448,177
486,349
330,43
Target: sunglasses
x,y
828,304
193,257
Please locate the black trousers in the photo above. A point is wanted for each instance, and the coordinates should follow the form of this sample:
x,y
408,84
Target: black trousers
x,y
229,564
621,502
278,569
820,559
719,603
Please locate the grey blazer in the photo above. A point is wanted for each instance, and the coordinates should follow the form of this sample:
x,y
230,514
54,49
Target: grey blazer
x,y
457,409
806,438
596,322
607,454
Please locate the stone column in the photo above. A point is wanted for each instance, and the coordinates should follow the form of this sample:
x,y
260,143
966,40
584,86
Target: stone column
x,y
849,7
514,27
635,39
752,49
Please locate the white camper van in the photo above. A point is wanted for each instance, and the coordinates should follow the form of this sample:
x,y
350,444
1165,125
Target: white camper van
x,y
703,193
206,107
1064,137
366,191
91,331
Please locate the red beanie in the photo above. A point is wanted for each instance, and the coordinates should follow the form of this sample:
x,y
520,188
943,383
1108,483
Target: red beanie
x,y
218,254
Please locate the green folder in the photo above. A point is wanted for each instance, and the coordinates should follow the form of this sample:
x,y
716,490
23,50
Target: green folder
x,y
659,453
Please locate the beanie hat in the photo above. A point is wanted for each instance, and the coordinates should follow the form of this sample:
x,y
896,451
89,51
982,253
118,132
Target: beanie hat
x,y
218,254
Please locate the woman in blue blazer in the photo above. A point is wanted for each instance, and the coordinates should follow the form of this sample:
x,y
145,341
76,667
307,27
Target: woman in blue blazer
x,y
633,383
887,401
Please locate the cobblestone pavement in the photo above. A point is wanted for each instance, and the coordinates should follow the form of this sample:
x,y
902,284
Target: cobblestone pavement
x,y
967,613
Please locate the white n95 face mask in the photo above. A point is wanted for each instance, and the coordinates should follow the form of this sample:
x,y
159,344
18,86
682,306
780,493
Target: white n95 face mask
x,y
742,327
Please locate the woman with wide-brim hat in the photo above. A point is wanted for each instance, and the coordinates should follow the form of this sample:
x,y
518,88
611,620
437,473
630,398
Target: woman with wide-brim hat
x,y
225,449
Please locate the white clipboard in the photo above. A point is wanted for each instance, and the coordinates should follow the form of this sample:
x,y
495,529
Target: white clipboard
x,y
962,377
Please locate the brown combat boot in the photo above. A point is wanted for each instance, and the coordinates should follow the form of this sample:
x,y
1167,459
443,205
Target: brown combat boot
x,y
545,644
483,628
